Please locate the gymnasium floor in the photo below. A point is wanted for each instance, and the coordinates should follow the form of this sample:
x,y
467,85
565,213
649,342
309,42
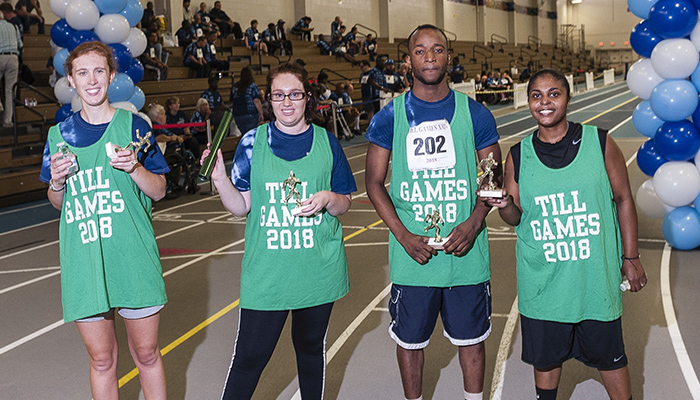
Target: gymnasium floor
x,y
201,247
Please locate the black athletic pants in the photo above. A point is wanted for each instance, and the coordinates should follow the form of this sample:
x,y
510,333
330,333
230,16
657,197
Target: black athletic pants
x,y
258,333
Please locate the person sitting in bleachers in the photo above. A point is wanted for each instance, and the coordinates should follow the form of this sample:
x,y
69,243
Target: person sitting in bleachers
x,y
303,28
200,29
149,14
202,113
392,78
335,25
268,37
212,94
174,115
155,57
328,49
352,42
281,36
186,34
202,12
194,58
405,75
253,40
24,9
222,20
350,113
369,46
187,11
210,54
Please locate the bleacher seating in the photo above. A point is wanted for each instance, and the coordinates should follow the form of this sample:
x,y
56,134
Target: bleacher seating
x,y
20,164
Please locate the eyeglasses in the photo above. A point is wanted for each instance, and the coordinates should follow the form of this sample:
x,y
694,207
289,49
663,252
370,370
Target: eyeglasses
x,y
294,96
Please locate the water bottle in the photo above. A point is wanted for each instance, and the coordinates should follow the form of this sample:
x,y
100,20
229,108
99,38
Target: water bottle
x,y
66,152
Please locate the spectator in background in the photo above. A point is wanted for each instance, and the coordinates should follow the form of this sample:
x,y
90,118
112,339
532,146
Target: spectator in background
x,y
10,47
456,72
210,54
268,37
281,36
350,113
392,78
405,75
202,12
11,16
370,46
253,40
155,58
202,113
335,25
149,14
373,84
322,83
174,115
198,26
246,102
328,49
525,74
220,18
302,28
194,58
214,98
187,12
24,10
352,42
186,34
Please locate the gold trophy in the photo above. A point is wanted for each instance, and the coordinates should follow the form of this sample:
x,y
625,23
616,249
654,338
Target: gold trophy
x,y
291,183
434,220
112,149
491,190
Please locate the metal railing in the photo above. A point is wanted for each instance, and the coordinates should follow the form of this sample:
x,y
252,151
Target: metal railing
x,y
366,28
534,40
482,51
16,102
449,41
330,71
398,49
501,40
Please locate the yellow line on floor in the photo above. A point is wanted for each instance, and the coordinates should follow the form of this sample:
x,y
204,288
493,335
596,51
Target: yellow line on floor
x,y
134,372
607,111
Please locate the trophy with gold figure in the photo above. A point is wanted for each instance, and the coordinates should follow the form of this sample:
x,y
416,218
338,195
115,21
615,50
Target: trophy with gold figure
x,y
434,220
491,190
141,142
291,184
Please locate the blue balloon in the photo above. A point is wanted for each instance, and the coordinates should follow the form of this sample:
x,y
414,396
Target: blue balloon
x,y
110,6
640,8
673,18
121,88
648,159
80,37
643,39
138,99
681,228
59,60
133,12
677,141
674,99
63,112
135,71
695,78
122,56
61,33
644,119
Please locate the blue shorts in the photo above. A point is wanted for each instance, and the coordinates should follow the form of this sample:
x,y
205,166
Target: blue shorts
x,y
597,344
465,313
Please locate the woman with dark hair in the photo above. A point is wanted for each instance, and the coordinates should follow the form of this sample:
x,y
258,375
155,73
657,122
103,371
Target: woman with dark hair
x,y
569,198
298,265
109,257
247,103
187,13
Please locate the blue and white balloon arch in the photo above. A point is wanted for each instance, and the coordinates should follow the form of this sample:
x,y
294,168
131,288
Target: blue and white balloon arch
x,y
667,78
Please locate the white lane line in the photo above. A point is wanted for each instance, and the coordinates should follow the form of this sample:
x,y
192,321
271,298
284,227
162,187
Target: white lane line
x,y
29,282
25,208
29,337
29,227
357,156
686,365
499,370
358,172
41,246
17,271
381,309
350,329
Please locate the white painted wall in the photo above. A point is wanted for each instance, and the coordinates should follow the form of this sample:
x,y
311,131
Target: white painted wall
x,y
351,12
461,19
495,21
605,21
406,15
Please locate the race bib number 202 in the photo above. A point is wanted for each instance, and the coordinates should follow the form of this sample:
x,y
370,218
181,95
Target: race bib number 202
x,y
430,146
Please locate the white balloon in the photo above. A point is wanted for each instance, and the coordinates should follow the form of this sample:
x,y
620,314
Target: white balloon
x,y
641,78
674,58
125,105
136,42
649,203
63,91
144,116
677,183
75,104
82,15
59,7
112,28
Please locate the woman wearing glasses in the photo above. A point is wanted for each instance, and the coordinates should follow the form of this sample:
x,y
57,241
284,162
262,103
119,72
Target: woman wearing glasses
x,y
293,261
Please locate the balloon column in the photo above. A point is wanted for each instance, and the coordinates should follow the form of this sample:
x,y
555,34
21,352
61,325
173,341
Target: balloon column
x,y
113,23
667,78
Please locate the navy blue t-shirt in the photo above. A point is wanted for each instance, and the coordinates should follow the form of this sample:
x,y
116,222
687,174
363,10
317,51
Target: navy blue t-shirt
x,y
87,134
381,129
290,148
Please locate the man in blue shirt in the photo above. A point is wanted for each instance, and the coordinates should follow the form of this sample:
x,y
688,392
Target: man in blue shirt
x,y
393,80
457,74
210,54
252,38
373,84
335,25
194,58
351,41
429,111
370,46
302,28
